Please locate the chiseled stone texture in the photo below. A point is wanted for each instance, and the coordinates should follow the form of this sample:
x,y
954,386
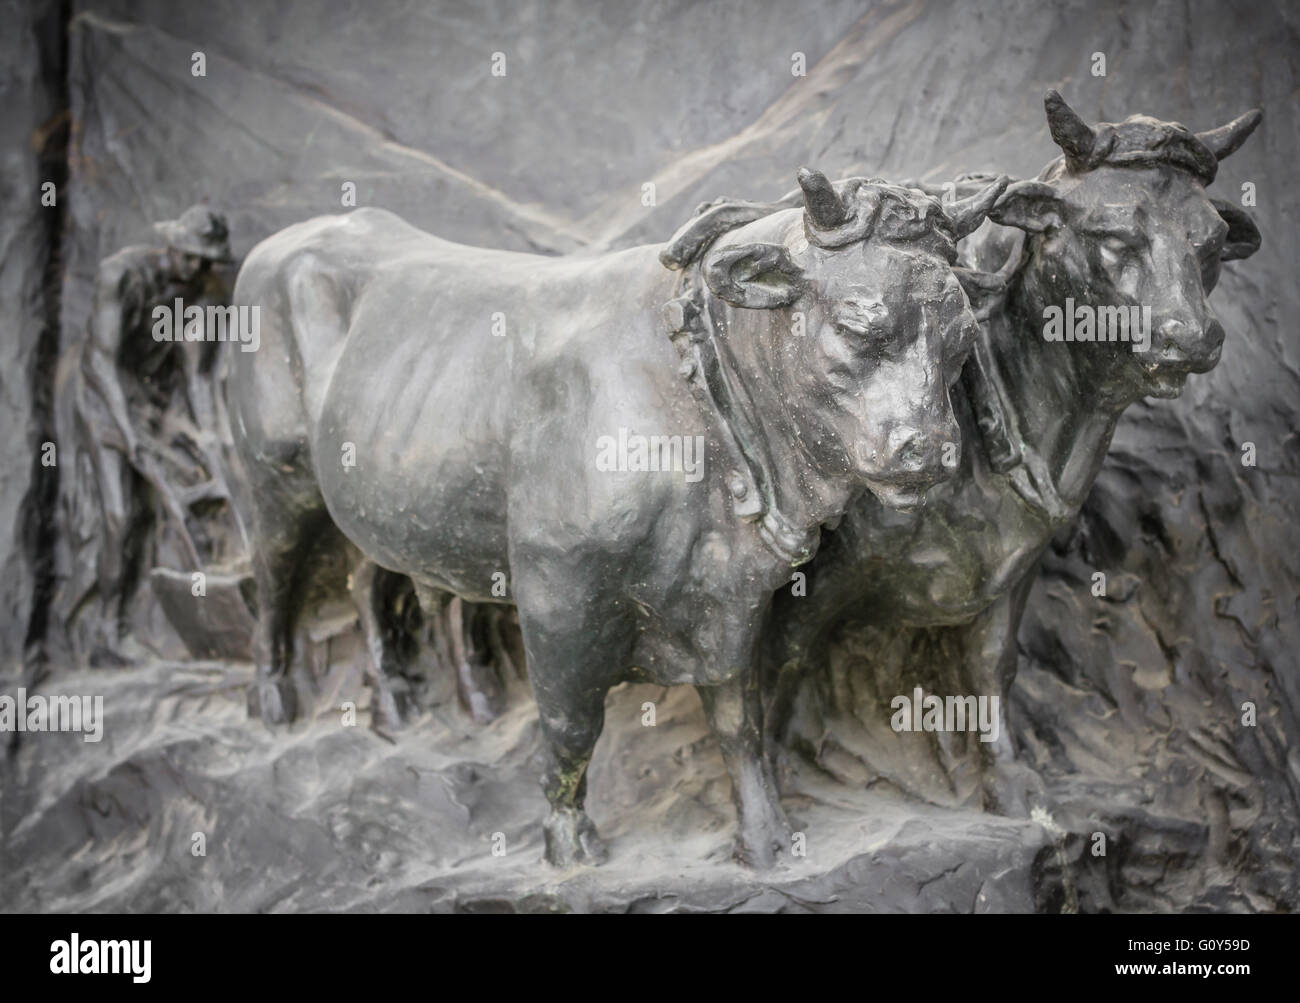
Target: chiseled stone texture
x,y
29,102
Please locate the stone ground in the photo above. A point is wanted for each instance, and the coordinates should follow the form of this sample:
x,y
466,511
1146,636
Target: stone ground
x,y
326,817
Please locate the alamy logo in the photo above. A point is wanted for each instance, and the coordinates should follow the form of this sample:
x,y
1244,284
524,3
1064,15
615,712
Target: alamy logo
x,y
53,713
683,453
102,957
212,323
935,713
1082,322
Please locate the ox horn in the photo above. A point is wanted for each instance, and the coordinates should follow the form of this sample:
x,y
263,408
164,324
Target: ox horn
x,y
969,213
1071,133
823,205
1227,138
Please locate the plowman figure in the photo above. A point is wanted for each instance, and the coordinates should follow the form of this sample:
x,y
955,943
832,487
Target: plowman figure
x,y
129,380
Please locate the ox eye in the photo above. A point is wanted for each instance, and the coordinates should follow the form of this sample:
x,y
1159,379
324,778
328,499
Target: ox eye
x,y
1209,243
1114,249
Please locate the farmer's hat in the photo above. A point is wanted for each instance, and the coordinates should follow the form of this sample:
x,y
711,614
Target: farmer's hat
x,y
199,231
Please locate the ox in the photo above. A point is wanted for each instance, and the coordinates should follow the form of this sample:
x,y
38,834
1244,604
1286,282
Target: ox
x,y
1121,219
382,410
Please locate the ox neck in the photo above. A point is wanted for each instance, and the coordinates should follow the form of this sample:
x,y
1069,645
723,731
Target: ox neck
x,y
1057,420
765,478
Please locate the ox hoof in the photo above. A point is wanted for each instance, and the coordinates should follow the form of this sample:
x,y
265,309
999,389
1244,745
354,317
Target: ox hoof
x,y
1013,789
481,692
394,708
760,850
571,838
274,700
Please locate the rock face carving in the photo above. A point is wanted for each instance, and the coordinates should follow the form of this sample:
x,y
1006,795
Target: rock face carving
x,y
1121,220
384,409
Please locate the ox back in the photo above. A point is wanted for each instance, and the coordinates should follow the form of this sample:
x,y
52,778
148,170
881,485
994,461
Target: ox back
x,y
409,378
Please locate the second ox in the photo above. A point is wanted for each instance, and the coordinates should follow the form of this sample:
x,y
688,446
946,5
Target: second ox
x,y
1120,221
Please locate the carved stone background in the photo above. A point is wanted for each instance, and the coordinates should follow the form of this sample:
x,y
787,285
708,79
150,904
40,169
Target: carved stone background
x,y
1130,705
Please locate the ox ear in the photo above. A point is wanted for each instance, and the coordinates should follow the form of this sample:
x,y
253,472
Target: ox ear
x,y
1031,206
1243,237
985,290
754,276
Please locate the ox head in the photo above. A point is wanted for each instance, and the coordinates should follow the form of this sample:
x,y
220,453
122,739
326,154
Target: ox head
x,y
871,314
1122,220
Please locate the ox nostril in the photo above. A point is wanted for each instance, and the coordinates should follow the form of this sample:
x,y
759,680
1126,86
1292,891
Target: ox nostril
x,y
1209,347
1170,336
1182,343
911,450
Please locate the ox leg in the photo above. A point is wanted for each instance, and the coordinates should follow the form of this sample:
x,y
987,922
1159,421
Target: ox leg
x,y
571,718
1010,787
478,684
577,645
274,698
459,632
734,710
282,566
394,703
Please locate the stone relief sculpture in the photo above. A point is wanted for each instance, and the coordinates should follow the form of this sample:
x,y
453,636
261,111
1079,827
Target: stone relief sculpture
x,y
642,494
1041,658
799,415
1119,224
989,600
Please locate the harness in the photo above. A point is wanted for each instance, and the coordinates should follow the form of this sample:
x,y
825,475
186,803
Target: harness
x,y
693,319
997,421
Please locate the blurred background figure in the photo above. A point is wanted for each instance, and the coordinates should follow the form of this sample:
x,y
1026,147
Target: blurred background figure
x,y
144,406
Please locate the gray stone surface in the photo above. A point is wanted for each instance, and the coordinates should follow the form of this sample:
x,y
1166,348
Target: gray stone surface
x,y
29,130
335,818
1131,705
